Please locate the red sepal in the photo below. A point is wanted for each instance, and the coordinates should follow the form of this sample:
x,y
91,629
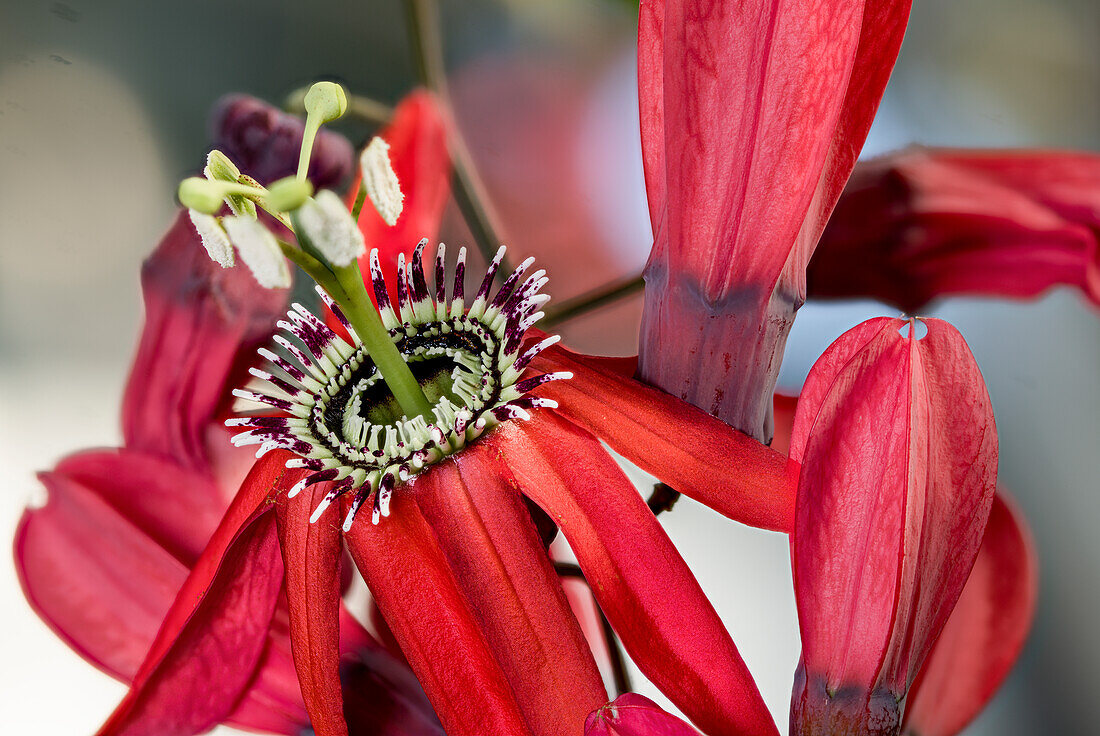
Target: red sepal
x,y
311,558
985,633
413,585
643,585
418,151
218,622
201,320
680,445
927,223
752,117
498,559
631,714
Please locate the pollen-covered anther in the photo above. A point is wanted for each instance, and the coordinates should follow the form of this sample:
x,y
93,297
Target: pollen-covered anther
x,y
335,412
328,225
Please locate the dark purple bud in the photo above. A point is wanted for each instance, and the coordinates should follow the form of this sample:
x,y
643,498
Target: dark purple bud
x,y
264,143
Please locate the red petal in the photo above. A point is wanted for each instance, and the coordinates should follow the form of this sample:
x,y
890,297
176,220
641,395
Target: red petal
x,y
643,585
410,579
898,455
926,223
264,481
794,87
273,701
311,558
201,676
693,452
498,558
200,321
177,507
986,630
587,612
100,583
631,714
418,151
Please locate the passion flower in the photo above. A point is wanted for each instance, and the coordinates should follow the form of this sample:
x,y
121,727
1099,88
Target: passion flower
x,y
346,427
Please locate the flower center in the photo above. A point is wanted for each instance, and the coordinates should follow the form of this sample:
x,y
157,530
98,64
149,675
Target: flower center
x,y
343,422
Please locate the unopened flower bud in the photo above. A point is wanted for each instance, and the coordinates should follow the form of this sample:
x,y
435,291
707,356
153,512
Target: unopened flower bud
x,y
259,250
328,225
213,238
380,181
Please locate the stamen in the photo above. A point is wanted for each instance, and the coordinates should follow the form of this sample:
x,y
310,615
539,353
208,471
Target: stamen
x,y
213,238
259,250
380,181
326,223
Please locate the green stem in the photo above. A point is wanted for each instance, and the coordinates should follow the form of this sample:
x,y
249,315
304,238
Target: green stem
x,y
345,285
315,270
364,318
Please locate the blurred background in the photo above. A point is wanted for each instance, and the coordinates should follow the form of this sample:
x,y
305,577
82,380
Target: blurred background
x,y
103,108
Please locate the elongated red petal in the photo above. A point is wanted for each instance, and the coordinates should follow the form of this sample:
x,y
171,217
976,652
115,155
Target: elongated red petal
x,y
498,559
311,558
175,506
985,633
643,585
898,453
200,321
267,477
103,561
682,446
926,223
753,115
273,702
101,584
631,714
414,587
418,151
200,678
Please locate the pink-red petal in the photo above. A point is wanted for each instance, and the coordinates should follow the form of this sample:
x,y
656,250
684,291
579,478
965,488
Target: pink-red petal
x,y
413,585
311,559
201,322
177,507
207,667
498,558
898,452
682,446
649,595
926,223
631,714
985,633
101,584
